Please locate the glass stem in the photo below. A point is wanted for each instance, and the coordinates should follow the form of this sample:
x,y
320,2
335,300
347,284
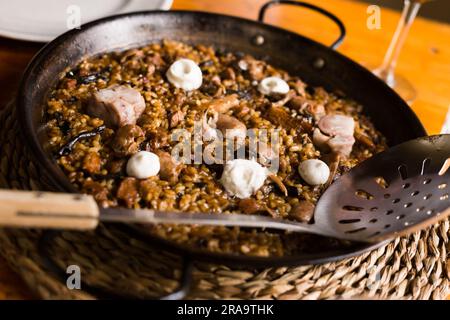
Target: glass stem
x,y
386,70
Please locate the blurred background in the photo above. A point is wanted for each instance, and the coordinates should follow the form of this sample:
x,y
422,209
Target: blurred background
x,y
438,10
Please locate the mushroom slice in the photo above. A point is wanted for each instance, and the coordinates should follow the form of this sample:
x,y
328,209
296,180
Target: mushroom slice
x,y
365,140
333,160
276,179
287,97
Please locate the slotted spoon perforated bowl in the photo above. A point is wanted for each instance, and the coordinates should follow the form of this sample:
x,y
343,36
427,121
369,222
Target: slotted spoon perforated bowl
x,y
396,192
393,193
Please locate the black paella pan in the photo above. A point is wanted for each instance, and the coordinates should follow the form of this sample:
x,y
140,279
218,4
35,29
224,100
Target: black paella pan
x,y
316,64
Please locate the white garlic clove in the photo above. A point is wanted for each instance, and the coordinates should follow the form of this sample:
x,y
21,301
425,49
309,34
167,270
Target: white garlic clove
x,y
314,171
273,85
143,165
185,74
242,178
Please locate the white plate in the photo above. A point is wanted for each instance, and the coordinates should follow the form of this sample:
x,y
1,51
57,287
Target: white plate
x,y
44,20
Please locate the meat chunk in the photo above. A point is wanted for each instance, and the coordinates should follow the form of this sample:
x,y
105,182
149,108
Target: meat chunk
x,y
303,105
170,168
157,139
224,104
92,162
282,99
98,191
255,68
302,211
320,140
335,134
300,87
231,127
176,118
229,74
116,106
280,117
156,60
266,153
341,144
128,192
127,140
213,87
337,125
117,166
250,206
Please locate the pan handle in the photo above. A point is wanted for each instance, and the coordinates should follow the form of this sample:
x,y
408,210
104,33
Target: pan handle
x,y
335,44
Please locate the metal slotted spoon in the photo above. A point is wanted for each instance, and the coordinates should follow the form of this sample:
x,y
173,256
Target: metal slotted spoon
x,y
398,191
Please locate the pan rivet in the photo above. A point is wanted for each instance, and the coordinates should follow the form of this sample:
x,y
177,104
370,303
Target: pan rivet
x,y
319,63
258,40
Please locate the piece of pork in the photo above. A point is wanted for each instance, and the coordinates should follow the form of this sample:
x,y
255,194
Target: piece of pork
x,y
335,134
170,167
302,211
337,125
127,140
303,105
231,127
342,145
116,106
222,105
280,117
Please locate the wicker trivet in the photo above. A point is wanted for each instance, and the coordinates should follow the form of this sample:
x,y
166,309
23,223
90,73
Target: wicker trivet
x,y
414,267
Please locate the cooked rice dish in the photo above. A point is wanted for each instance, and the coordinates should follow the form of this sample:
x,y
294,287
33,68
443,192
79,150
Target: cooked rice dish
x,y
132,102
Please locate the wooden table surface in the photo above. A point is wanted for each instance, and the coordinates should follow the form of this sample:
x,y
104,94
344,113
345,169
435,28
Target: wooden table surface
x,y
425,61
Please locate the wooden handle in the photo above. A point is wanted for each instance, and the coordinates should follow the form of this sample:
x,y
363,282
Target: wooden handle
x,y
28,209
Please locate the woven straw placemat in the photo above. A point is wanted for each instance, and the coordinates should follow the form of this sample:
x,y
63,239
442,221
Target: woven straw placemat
x,y
413,267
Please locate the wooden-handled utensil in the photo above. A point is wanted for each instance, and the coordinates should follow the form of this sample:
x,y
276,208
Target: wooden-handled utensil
x,y
393,193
